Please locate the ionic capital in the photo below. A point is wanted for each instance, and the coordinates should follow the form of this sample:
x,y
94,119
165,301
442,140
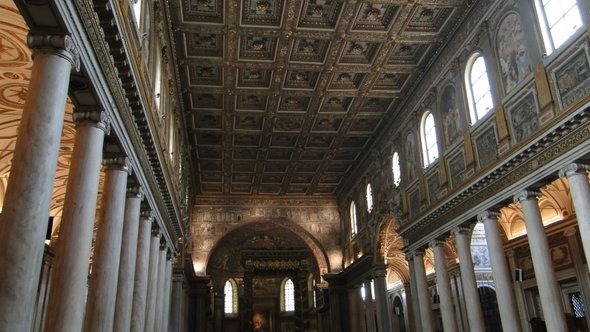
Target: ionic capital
x,y
117,163
460,231
524,195
418,253
135,192
569,232
488,215
573,169
436,243
163,244
155,229
147,215
60,45
96,118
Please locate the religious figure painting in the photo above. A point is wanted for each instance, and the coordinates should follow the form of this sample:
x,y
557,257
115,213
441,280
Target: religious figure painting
x,y
573,79
486,146
433,184
414,199
453,124
457,168
412,156
513,54
524,118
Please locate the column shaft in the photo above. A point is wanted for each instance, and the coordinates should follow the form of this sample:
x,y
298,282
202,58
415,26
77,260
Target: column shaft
x,y
150,313
142,262
67,297
125,284
416,322
443,283
382,306
424,304
167,295
470,292
25,212
541,255
502,276
177,302
102,290
160,289
577,176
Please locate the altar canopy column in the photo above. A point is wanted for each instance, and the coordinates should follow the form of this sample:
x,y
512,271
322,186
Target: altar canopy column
x,y
142,262
67,297
502,276
443,283
25,211
102,289
424,304
124,302
470,292
543,266
577,177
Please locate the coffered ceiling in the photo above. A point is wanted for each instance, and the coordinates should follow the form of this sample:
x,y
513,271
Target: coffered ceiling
x,y
286,97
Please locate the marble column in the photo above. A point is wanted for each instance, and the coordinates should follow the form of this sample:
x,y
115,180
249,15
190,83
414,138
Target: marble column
x,y
424,303
443,283
142,262
382,306
415,323
470,292
502,276
577,176
152,290
67,297
160,289
102,289
177,301
125,284
353,308
543,266
167,292
25,210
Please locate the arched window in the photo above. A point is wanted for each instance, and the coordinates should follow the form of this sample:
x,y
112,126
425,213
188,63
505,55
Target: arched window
x,y
477,83
429,140
353,224
137,11
395,168
288,303
369,198
230,294
559,20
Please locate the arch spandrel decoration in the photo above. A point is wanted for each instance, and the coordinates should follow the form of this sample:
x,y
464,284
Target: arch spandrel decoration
x,y
224,258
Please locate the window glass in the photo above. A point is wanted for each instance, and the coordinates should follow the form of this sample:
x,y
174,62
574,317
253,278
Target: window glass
x,y
395,167
228,292
429,140
369,198
289,292
559,20
353,224
137,11
478,88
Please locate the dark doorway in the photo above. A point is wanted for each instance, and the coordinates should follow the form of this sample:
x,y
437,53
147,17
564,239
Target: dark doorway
x,y
489,306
